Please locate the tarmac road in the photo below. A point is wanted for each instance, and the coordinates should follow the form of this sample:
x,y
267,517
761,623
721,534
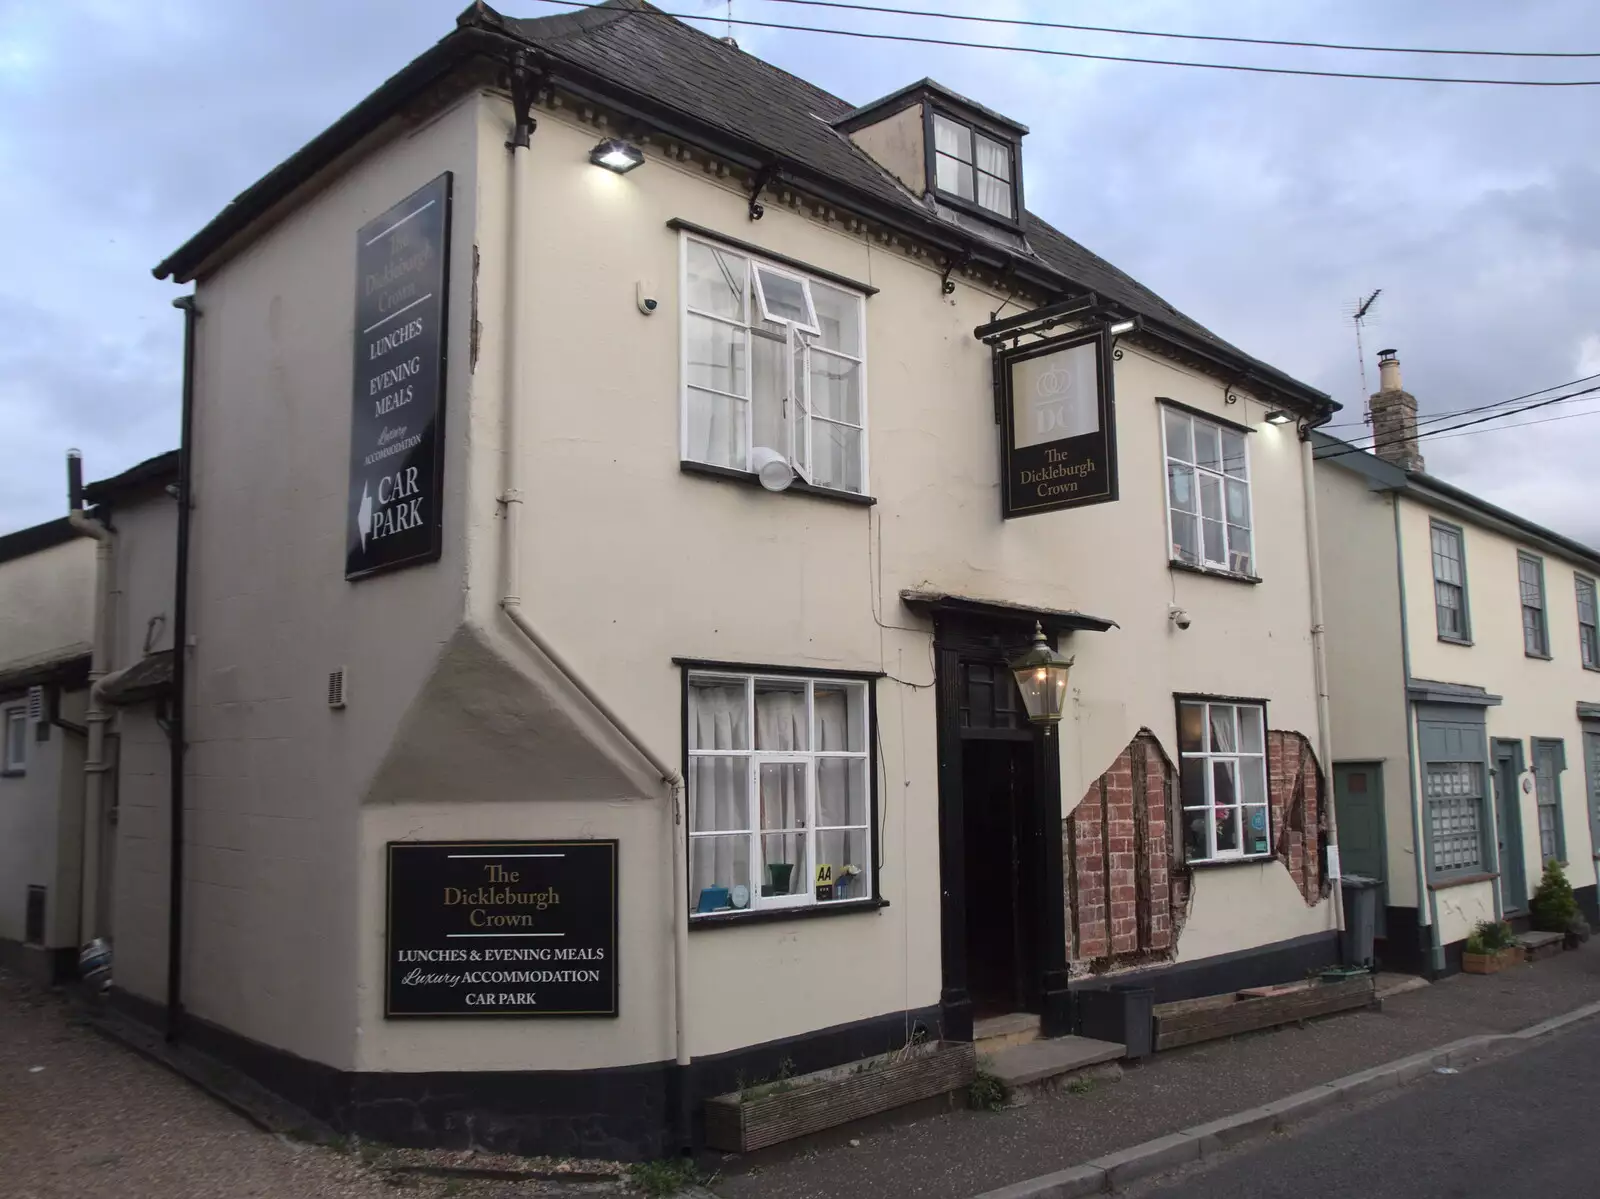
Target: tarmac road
x,y
1520,1125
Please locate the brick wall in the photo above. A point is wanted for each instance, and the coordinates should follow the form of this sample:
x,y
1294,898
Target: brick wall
x,y
1294,789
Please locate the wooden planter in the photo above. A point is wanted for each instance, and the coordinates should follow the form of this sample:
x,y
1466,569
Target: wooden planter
x,y
1492,963
793,1107
1192,1020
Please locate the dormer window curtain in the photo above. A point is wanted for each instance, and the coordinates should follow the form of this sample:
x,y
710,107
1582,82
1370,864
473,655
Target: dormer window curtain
x,y
972,166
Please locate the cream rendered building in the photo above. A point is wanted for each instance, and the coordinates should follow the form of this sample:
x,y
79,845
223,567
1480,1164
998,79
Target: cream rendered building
x,y
609,635
1464,668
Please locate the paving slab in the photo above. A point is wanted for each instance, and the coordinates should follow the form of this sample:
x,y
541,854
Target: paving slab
x,y
1038,1061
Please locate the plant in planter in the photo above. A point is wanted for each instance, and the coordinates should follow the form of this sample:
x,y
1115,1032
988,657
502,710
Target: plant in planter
x,y
1553,905
1490,948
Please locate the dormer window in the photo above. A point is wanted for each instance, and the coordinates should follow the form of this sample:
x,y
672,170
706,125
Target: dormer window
x,y
972,167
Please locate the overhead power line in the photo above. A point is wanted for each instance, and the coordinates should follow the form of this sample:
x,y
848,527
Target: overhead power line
x,y
1186,37
1423,436
1079,54
1439,416
1521,424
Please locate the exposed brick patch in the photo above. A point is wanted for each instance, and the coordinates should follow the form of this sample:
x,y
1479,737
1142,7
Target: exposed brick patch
x,y
1299,825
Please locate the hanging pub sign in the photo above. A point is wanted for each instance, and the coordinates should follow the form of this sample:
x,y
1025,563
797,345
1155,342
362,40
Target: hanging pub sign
x,y
1059,416
397,415
501,928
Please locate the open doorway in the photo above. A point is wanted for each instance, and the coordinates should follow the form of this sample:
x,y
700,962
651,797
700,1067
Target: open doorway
x,y
1001,909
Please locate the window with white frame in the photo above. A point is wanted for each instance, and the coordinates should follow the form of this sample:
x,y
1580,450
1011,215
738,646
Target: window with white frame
x,y
1588,624
973,166
1535,631
16,741
780,792
1222,775
1209,517
1455,799
773,359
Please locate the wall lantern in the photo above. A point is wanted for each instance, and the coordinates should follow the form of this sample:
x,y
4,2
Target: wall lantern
x,y
616,155
1121,327
1042,679
1278,417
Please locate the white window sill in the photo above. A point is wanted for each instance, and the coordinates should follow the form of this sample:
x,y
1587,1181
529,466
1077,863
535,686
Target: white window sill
x,y
1215,572
838,907
799,485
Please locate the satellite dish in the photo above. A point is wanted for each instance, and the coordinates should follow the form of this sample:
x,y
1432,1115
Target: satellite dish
x,y
772,468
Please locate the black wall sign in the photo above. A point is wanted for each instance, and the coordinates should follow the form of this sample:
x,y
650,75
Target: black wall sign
x,y
397,415
502,928
1059,414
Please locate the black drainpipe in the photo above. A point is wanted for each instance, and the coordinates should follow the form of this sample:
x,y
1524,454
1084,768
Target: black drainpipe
x,y
180,649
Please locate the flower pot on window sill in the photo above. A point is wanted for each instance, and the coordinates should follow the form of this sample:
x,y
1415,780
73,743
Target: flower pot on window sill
x,y
778,874
1491,963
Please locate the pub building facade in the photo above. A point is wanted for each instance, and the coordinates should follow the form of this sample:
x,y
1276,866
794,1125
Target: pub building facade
x,y
634,647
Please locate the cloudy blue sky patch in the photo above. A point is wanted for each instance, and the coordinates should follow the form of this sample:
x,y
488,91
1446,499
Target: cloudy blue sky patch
x,y
1262,206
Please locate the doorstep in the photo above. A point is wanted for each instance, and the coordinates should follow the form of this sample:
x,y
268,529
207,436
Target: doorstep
x,y
1537,946
1042,1066
994,1033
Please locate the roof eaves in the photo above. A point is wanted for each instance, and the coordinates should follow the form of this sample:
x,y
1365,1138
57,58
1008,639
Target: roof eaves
x,y
1427,489
153,474
36,539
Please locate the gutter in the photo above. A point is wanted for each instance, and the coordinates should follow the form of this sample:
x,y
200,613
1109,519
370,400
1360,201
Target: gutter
x,y
518,398
95,765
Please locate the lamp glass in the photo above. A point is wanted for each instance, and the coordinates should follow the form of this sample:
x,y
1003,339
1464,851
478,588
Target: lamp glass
x,y
1042,676
616,155
1278,417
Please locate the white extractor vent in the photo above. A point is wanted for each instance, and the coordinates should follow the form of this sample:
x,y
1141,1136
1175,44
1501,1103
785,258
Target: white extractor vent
x,y
336,688
36,712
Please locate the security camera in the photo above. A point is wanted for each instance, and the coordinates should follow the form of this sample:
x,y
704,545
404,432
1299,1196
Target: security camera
x,y
647,302
1178,616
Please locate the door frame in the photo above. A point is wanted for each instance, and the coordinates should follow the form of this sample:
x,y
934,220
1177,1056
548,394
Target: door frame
x,y
1375,767
993,641
1512,864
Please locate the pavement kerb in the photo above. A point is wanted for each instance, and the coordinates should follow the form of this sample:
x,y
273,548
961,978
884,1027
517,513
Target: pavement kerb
x,y
1106,1173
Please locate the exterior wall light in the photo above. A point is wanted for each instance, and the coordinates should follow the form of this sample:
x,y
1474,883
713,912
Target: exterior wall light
x,y
1121,327
1042,679
616,155
1278,417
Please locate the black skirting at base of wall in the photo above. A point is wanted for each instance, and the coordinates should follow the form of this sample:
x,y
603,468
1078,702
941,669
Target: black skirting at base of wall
x,y
1263,966
1588,903
1407,948
623,1113
38,964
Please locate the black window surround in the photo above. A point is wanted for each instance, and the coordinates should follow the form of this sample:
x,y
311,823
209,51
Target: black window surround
x,y
874,901
974,125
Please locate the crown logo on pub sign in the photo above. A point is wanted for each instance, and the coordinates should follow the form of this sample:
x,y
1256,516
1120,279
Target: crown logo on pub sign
x,y
1053,383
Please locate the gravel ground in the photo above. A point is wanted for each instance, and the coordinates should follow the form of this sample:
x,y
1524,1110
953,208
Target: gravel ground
x,y
963,1153
81,1117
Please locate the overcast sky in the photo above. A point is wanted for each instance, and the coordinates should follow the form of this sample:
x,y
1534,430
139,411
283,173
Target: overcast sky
x,y
1262,206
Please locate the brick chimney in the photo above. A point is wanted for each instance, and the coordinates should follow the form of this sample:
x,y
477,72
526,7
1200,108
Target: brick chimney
x,y
1394,416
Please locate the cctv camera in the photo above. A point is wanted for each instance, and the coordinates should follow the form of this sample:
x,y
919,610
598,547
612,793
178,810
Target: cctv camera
x,y
1178,616
647,302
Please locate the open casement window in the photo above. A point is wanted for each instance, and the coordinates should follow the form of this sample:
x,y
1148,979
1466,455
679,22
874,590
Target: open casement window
x,y
780,795
1588,624
774,360
1535,630
1209,511
1222,775
15,760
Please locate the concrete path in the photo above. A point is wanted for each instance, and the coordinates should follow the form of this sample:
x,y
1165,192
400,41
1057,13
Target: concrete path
x,y
1516,1125
966,1153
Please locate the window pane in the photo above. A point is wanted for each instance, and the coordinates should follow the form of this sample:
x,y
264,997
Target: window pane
x,y
1256,837
1180,486
785,296
839,318
850,855
1238,495
1192,782
954,177
841,713
1207,446
1185,538
769,381
781,718
835,387
952,138
1224,731
1191,733
718,716
716,355
1196,835
1586,604
1223,791
841,792
994,158
1227,830
16,750
1178,443
837,450
1233,453
716,282
1214,547
716,429
783,860
717,862
1250,737
1252,780
1239,559
719,795
1211,497
994,194
783,794
1532,584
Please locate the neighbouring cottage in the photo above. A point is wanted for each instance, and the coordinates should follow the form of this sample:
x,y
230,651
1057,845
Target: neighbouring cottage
x,y
635,646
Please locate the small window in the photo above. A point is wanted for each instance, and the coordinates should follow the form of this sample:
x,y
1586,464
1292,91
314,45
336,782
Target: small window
x,y
972,166
1454,794
1549,760
1223,780
1535,632
1588,625
1450,583
772,360
16,746
1209,514
781,811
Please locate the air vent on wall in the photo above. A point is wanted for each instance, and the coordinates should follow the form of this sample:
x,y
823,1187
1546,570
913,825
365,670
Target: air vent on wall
x,y
336,688
36,708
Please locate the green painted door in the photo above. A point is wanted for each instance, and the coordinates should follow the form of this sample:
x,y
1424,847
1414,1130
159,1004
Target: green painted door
x,y
1358,802
1508,826
1591,764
